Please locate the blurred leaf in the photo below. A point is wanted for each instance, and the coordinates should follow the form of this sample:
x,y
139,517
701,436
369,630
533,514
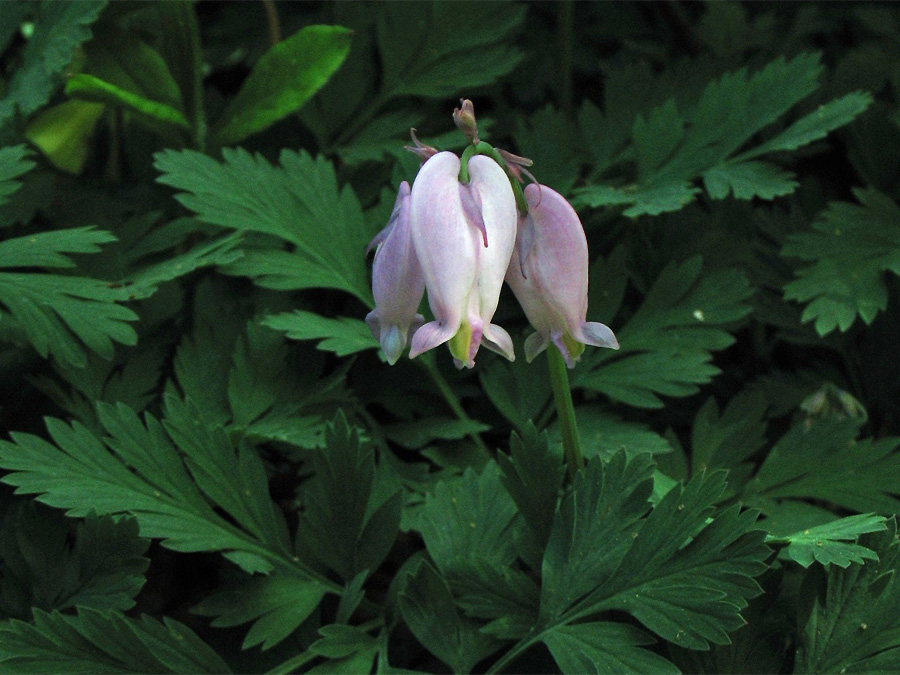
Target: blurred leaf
x,y
64,133
445,50
849,249
90,88
281,81
59,28
13,163
95,641
418,434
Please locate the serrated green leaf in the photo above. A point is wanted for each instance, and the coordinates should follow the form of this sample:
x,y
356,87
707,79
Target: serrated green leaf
x,y
848,619
103,569
277,605
343,335
13,163
722,440
849,249
466,519
508,597
672,149
345,523
428,609
339,641
107,642
603,647
747,180
683,574
533,475
810,462
418,434
59,28
283,79
61,313
299,202
828,543
445,50
137,470
665,347
816,125
606,504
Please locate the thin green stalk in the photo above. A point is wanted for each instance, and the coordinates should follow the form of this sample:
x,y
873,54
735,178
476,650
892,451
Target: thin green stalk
x,y
426,361
565,410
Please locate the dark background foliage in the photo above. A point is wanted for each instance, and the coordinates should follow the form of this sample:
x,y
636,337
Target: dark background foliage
x,y
215,469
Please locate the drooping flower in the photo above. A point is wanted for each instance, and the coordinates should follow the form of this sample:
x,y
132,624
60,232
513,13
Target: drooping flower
x,y
397,282
549,275
464,235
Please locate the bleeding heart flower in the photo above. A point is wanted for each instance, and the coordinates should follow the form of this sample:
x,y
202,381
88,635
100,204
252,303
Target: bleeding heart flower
x,y
397,282
464,236
549,276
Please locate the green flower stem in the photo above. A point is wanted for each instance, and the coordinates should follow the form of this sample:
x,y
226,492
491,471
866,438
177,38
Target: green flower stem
x,y
486,149
426,361
565,411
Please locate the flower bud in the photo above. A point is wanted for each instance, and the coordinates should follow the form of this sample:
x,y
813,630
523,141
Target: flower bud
x,y
465,120
464,235
397,282
549,276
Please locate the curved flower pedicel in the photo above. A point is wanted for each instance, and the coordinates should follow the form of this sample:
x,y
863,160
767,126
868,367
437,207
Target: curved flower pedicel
x,y
549,276
397,282
464,235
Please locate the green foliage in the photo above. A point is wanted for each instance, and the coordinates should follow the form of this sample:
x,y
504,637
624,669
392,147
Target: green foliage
x,y
199,424
96,641
282,81
62,314
428,608
445,49
276,604
848,618
671,149
828,543
811,460
137,470
104,568
299,203
59,28
666,345
849,249
343,335
347,525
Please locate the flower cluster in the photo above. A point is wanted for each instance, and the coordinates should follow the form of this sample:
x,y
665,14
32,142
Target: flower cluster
x,y
459,233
